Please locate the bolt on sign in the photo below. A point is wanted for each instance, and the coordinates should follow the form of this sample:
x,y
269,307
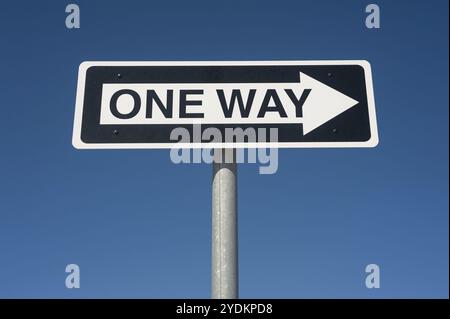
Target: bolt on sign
x,y
310,103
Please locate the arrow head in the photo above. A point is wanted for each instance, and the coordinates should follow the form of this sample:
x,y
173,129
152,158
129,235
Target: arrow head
x,y
323,103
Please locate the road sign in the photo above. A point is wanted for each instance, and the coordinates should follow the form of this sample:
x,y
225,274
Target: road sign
x,y
310,103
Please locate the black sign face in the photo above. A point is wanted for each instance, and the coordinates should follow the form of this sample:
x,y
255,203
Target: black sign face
x,y
225,104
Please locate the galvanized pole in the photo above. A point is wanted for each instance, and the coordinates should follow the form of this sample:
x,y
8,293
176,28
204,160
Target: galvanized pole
x,y
224,228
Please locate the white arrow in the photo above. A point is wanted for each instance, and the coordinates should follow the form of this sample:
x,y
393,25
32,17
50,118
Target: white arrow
x,y
322,104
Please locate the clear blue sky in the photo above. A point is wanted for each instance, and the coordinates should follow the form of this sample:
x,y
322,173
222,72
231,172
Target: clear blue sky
x,y
139,225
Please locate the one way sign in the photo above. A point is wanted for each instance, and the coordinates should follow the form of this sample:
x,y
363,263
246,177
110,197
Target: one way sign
x,y
310,103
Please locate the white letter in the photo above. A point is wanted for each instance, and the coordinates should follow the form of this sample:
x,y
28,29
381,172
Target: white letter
x,y
272,159
73,19
238,135
197,139
185,137
73,280
373,279
373,19
211,135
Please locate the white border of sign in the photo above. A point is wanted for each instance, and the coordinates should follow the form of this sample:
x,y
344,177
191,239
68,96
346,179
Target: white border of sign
x,y
79,144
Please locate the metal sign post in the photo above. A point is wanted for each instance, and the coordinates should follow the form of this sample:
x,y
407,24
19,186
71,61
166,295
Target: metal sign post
x,y
224,268
145,104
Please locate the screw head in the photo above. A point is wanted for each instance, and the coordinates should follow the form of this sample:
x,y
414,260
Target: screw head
x,y
334,130
330,74
119,75
116,132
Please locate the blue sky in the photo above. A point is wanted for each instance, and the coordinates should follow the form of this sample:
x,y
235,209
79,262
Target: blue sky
x,y
139,225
